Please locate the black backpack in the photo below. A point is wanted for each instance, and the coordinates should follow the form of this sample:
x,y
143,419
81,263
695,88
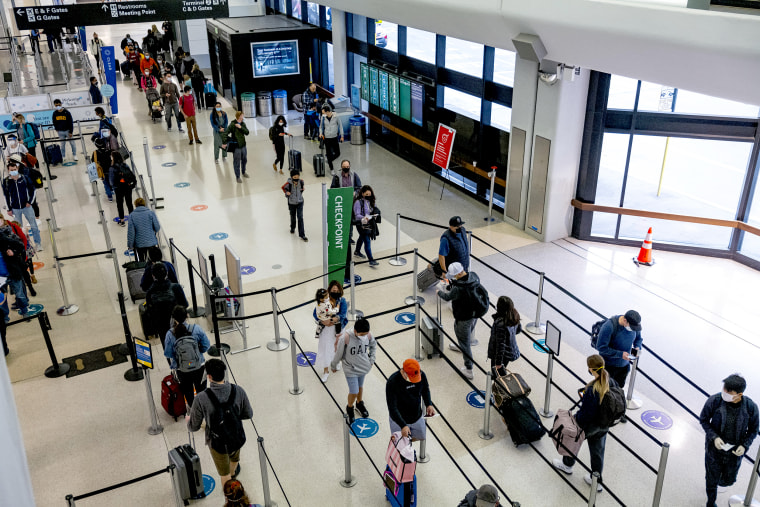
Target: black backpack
x,y
226,428
479,301
126,177
613,406
597,328
271,134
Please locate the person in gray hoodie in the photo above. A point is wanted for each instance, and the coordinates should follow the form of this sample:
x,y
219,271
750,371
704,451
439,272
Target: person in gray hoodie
x,y
460,294
356,349
293,189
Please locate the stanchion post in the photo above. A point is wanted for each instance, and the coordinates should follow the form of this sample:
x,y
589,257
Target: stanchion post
x,y
296,388
50,208
546,412
748,499
133,373
66,309
172,255
278,343
154,200
348,480
196,311
325,265
81,138
418,355
485,433
70,501
592,494
633,403
414,298
218,347
492,175
57,369
536,327
264,474
155,428
424,457
115,260
469,250
104,224
397,260
353,313
661,474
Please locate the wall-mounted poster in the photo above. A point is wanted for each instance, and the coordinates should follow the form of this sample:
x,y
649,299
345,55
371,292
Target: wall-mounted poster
x,y
278,58
418,99
364,71
393,94
405,99
374,92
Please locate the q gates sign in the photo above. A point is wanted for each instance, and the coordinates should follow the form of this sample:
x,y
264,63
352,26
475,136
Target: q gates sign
x,y
55,16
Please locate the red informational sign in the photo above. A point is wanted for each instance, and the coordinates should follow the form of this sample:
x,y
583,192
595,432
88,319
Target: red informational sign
x,y
444,142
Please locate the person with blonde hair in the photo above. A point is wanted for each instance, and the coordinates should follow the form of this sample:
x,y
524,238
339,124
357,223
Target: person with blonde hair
x,y
198,82
236,133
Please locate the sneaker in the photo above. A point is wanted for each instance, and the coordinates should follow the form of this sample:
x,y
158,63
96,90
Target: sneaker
x,y
181,130
325,377
198,141
359,255
473,342
467,372
110,199
122,223
587,478
454,347
560,465
34,279
351,414
39,248
191,141
245,175
292,231
216,161
374,263
75,159
362,409
353,242
14,306
168,129
305,239
239,180
23,311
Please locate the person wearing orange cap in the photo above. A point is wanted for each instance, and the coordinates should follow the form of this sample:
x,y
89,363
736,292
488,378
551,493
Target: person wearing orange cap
x,y
403,392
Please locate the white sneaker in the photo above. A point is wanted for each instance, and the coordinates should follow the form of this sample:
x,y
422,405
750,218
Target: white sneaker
x,y
75,159
587,478
467,372
454,347
39,248
325,376
560,465
473,342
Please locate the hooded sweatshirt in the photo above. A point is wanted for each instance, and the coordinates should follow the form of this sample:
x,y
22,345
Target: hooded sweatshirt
x,y
357,353
460,296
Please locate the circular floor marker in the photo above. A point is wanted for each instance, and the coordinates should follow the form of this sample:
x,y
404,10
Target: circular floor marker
x,y
199,207
208,484
168,164
38,265
129,253
34,310
656,420
277,266
365,428
540,345
218,236
182,184
247,270
69,163
159,147
116,219
311,358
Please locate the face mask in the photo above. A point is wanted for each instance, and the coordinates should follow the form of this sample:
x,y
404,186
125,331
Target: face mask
x,y
12,142
628,328
367,196
281,124
728,398
15,173
106,133
345,169
364,339
335,295
218,108
58,108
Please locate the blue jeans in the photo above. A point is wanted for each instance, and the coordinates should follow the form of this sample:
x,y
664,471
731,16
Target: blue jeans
x,y
365,240
463,330
28,213
64,134
17,287
107,186
296,214
596,439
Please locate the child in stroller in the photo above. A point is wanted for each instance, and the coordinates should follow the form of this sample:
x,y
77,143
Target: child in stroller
x,y
154,104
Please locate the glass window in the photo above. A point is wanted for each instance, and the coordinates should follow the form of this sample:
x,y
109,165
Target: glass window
x,y
296,8
501,117
420,45
358,59
281,6
312,13
610,182
330,67
751,243
386,35
622,93
359,28
504,67
464,56
692,103
328,18
462,103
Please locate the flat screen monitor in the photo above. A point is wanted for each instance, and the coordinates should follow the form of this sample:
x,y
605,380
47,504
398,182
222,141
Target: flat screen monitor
x,y
275,58
418,99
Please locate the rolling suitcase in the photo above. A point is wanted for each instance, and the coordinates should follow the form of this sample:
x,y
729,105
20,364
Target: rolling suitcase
x,y
426,278
397,493
118,66
172,398
135,270
145,323
294,158
210,98
319,164
433,342
522,420
508,385
53,154
125,71
188,474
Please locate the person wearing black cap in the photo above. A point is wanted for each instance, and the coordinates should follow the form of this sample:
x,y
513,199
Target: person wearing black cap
x,y
453,247
484,496
619,340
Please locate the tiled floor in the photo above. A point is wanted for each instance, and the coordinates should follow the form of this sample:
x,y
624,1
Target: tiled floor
x,y
90,431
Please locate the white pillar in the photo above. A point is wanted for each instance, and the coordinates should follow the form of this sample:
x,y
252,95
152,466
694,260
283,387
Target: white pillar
x,y
15,482
340,62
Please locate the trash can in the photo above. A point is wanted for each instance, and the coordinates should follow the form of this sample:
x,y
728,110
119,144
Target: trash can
x,y
280,102
358,129
264,103
249,104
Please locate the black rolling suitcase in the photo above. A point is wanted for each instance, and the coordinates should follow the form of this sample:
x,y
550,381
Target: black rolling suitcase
x,y
294,158
145,323
319,164
522,420
125,70
188,474
135,270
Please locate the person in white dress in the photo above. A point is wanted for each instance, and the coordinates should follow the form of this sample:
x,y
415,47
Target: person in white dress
x,y
327,337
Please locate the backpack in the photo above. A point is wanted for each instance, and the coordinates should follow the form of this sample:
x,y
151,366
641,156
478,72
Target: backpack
x,y
597,328
188,354
226,428
126,177
613,406
35,129
479,301
36,177
271,134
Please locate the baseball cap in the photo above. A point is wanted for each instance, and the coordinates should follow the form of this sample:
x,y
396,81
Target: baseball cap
x,y
487,496
456,221
634,319
454,269
412,370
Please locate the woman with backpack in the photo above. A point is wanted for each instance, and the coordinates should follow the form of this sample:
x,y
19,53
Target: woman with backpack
x,y
28,134
198,81
184,347
122,182
502,347
594,417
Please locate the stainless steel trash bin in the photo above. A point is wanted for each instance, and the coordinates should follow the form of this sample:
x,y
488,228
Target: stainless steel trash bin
x,y
264,103
358,129
249,104
280,99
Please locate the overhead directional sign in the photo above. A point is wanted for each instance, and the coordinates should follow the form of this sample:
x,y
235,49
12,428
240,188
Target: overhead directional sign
x,y
112,13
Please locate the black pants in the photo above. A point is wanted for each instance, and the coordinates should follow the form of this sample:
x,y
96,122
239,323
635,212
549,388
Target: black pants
x,y
279,149
296,213
596,440
141,252
332,150
35,41
721,469
188,380
619,373
200,98
123,194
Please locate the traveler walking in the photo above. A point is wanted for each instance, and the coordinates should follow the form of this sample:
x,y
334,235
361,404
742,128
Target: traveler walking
x,y
63,123
161,299
485,496
330,328
187,107
356,350
223,407
730,421
156,257
122,181
331,131
365,217
19,196
219,123
236,133
405,391
95,95
168,38
142,229
184,347
469,301
310,101
170,94
453,247
34,40
294,189
198,81
96,43
279,133
502,347
619,340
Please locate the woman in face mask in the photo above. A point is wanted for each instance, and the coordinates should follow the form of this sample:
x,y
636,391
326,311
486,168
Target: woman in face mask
x,y
327,337
26,135
219,124
14,147
365,218
278,139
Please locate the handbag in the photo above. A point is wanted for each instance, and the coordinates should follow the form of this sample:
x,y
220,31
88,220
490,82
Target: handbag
x,y
401,458
508,386
124,152
567,435
30,160
232,144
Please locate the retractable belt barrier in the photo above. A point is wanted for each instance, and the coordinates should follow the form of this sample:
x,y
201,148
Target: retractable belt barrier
x,y
71,499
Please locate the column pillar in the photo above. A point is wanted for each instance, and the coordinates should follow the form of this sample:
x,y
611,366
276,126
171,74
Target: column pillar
x,y
15,482
340,60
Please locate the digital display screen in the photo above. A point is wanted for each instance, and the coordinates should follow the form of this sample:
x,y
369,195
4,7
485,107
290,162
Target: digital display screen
x,y
393,94
405,99
278,58
384,90
374,87
364,71
418,98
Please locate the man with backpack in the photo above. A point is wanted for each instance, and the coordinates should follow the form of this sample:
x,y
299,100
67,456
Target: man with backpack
x,y
161,300
469,302
223,406
20,194
618,340
122,181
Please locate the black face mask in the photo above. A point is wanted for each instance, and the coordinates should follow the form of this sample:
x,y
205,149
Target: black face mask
x,y
335,294
345,169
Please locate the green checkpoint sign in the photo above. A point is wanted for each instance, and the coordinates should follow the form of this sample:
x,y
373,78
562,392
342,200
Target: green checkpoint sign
x,y
340,202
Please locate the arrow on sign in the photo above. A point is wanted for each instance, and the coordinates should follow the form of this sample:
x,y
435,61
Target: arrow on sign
x,y
20,12
105,7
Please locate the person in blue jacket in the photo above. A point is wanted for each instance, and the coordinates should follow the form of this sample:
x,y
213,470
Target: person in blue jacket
x,y
95,95
142,229
730,421
187,379
618,338
453,247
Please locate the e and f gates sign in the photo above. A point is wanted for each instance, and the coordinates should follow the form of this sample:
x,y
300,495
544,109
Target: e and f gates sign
x,y
340,201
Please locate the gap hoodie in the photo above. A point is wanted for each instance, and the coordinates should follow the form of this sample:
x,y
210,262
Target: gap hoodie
x,y
357,355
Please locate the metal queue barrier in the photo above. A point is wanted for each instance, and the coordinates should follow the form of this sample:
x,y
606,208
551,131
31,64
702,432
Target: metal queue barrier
x,y
56,369
72,499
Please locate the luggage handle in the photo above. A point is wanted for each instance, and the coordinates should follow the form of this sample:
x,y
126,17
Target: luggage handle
x,y
191,438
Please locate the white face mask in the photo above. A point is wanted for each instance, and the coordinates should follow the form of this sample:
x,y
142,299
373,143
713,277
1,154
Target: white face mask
x,y
364,339
728,398
59,108
281,124
12,143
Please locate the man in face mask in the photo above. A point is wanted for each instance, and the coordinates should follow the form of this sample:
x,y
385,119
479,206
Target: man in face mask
x,y
453,247
347,178
95,95
63,123
19,196
356,349
618,343
730,421
14,256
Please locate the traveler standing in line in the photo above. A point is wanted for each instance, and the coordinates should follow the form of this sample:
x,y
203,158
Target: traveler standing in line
x,y
156,257
348,178
26,172
404,391
453,247
4,311
294,189
502,347
365,217
461,294
95,95
121,180
95,45
198,81
14,255
219,123
161,300
619,336
236,133
19,196
279,134
235,495
590,419
356,350
730,421
101,156
485,496
28,273
34,40
310,101
26,135
142,229
184,347
13,147
330,328
170,94
63,123
147,64
331,130
224,442
187,106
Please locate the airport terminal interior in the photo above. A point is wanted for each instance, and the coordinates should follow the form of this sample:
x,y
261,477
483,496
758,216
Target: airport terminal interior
x,y
688,156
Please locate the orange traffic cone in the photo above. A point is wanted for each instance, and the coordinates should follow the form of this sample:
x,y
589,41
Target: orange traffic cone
x,y
645,254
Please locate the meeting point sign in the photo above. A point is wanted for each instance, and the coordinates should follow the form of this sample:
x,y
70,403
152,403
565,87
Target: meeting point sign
x,y
340,202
